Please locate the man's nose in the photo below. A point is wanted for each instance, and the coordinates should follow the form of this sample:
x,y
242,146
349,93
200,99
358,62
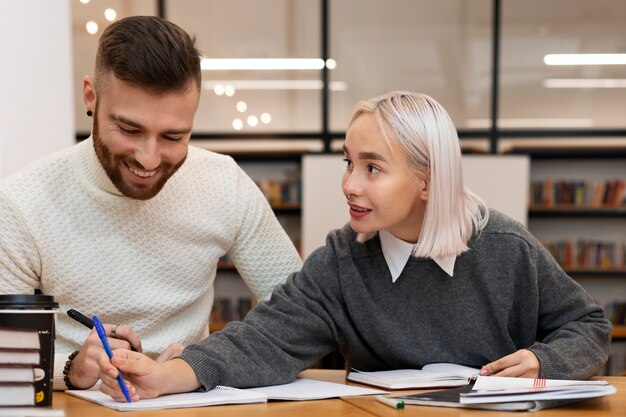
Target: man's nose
x,y
148,154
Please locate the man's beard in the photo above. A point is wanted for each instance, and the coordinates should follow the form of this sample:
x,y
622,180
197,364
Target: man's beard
x,y
113,164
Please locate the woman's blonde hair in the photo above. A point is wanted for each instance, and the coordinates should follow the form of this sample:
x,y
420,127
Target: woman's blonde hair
x,y
430,143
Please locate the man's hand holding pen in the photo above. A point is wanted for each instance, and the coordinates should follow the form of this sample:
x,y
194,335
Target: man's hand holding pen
x,y
84,371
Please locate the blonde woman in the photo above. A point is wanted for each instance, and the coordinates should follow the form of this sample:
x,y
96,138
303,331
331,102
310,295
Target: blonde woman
x,y
423,273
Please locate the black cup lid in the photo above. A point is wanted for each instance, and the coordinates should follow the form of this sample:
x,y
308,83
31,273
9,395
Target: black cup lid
x,y
27,301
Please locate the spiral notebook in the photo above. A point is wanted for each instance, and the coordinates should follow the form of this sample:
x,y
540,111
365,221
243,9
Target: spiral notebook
x,y
218,396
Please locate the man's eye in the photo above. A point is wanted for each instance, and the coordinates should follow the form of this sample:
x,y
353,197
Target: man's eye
x,y
173,139
127,131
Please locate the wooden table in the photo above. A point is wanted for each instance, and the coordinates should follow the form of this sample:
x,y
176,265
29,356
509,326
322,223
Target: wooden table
x,y
614,405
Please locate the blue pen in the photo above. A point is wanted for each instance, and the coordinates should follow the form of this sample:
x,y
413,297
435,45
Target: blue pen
x,y
103,338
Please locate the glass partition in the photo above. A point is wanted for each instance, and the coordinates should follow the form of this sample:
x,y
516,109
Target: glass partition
x,y
538,88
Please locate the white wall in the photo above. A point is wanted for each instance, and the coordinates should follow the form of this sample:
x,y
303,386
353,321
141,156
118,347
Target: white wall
x,y
502,181
36,107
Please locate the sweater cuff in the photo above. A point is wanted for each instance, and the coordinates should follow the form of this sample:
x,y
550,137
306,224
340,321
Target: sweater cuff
x,y
205,371
58,384
546,370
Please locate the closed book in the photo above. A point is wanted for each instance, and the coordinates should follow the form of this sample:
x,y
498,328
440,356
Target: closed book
x,y
452,398
494,389
14,394
16,373
17,338
19,356
431,375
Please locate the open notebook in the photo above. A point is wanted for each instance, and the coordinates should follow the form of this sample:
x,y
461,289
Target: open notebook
x,y
219,395
300,389
431,375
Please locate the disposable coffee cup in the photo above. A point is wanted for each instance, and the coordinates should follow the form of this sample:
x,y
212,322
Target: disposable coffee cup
x,y
38,312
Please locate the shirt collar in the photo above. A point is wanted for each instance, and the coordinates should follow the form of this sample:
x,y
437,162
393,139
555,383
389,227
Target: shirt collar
x,y
397,253
91,171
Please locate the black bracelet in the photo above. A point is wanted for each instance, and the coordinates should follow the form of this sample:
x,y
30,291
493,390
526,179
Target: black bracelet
x,y
66,370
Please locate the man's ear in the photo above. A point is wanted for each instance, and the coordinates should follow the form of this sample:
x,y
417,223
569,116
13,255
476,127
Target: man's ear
x,y
89,93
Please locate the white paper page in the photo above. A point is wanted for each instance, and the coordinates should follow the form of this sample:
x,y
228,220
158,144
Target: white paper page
x,y
191,399
498,383
309,389
451,368
401,375
562,394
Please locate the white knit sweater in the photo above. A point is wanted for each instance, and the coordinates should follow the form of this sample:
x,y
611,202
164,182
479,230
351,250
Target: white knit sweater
x,y
66,229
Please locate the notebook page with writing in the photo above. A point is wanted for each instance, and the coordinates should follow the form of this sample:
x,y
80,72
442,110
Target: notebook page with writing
x,y
308,389
218,396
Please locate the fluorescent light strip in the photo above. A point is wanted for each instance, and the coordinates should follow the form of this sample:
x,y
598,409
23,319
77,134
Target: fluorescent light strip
x,y
537,123
584,83
276,84
214,64
585,59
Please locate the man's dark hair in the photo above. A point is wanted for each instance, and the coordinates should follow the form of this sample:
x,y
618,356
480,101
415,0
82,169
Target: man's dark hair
x,y
150,52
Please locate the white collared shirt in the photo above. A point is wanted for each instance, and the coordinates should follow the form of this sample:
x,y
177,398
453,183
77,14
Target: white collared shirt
x,y
397,253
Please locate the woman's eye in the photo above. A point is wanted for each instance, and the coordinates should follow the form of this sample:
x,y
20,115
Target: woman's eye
x,y
348,162
373,170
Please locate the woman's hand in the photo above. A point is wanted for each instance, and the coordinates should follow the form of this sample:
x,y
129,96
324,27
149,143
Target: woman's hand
x,y
144,377
522,363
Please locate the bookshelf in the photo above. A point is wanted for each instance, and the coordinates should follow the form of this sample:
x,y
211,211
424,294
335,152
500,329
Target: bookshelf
x,y
619,332
592,220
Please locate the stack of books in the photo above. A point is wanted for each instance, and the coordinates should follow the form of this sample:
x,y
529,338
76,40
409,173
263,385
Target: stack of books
x,y
19,355
480,392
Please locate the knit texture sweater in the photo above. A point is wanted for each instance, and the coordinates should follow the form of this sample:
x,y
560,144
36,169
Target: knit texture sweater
x,y
150,264
507,293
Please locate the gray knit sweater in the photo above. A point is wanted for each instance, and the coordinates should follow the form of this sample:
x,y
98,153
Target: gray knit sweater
x,y
507,293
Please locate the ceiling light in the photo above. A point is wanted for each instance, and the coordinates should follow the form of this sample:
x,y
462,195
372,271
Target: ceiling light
x,y
84,1
584,83
241,106
92,27
217,64
585,59
252,121
229,90
276,84
265,118
237,124
218,89
110,14
531,123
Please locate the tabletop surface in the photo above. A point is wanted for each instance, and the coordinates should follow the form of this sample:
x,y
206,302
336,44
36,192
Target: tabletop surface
x,y
614,405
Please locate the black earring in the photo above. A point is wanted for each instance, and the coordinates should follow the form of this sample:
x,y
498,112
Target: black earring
x,y
89,113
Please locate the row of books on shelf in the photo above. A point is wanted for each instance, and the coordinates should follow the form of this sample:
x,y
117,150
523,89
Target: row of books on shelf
x,y
226,309
616,312
281,192
19,357
590,254
578,193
